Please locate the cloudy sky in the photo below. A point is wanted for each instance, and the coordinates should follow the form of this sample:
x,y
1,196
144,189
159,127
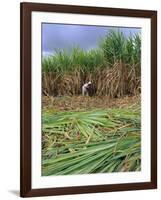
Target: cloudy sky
x,y
60,36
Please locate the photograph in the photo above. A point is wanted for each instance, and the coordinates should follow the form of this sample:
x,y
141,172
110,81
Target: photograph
x,y
88,99
91,99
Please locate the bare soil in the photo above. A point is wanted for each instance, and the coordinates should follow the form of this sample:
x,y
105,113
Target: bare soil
x,y
80,103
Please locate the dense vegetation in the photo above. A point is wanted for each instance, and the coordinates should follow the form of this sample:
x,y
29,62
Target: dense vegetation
x,y
113,68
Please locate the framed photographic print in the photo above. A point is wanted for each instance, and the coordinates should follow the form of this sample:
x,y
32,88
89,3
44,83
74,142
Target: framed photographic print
x,y
88,99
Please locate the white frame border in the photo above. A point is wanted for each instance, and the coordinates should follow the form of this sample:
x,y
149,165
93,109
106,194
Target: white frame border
x,y
39,181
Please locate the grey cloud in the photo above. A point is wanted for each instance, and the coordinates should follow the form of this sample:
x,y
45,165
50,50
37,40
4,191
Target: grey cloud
x,y
60,36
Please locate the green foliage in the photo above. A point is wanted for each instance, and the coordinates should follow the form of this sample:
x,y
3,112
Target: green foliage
x,y
91,142
77,60
76,122
133,50
116,47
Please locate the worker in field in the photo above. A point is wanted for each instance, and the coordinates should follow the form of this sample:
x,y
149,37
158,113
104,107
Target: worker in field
x,y
88,89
